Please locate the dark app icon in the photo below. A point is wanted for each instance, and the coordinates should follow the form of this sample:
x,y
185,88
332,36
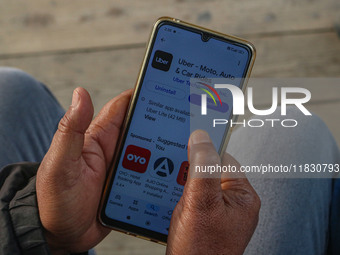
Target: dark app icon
x,y
162,60
163,167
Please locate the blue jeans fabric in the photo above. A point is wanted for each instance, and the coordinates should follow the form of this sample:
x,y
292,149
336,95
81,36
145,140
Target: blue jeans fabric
x,y
297,216
295,212
29,115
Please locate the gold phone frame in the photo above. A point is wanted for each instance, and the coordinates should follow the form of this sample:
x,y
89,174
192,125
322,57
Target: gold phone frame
x,y
134,99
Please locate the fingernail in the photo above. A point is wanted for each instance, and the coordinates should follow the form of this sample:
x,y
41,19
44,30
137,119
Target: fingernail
x,y
199,136
75,98
126,92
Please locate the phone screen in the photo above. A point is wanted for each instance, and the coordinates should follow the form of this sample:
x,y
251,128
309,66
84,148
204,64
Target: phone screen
x,y
152,167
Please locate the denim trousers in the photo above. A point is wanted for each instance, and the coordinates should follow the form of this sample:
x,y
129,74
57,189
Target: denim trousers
x,y
296,216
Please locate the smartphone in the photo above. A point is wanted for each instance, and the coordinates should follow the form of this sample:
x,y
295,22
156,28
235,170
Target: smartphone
x,y
150,166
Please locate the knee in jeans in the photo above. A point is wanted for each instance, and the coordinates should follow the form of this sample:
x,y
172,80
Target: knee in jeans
x,y
311,122
13,80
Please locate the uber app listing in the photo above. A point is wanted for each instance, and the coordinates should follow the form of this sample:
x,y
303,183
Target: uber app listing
x,y
153,167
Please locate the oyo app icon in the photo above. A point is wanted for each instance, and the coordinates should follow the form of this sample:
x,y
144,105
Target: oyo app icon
x,y
162,60
136,158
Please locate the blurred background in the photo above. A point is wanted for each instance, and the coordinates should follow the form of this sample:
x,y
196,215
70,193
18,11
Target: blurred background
x,y
99,45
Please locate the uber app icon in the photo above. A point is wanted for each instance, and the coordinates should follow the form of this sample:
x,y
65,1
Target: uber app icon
x,y
162,60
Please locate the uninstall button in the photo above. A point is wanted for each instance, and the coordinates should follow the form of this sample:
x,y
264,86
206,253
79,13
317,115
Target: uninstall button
x,y
165,90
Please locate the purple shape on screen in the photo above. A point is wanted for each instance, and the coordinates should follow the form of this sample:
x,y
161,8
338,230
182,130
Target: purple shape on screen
x,y
196,100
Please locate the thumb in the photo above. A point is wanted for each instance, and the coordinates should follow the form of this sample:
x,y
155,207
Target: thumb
x,y
68,141
203,156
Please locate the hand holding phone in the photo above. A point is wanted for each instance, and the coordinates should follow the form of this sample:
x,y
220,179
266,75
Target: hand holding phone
x,y
70,178
150,167
72,174
214,215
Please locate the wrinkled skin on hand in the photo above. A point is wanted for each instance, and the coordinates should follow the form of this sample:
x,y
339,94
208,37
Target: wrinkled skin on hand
x,y
217,214
72,174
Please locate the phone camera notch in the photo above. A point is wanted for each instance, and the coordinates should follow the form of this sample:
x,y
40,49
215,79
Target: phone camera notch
x,y
205,37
